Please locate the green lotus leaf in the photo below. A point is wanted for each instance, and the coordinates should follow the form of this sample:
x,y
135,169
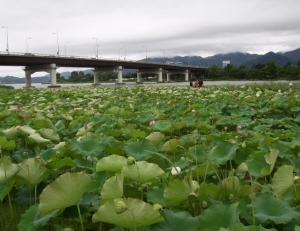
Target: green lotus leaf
x,y
176,221
87,147
222,152
7,144
232,184
137,134
198,153
85,129
170,145
65,191
163,125
255,163
112,163
177,191
41,122
156,196
38,139
66,117
113,110
156,138
27,130
11,133
31,220
282,180
140,150
241,227
50,134
277,211
33,171
204,169
211,191
142,171
57,163
112,188
5,189
179,125
271,160
137,214
7,169
218,216
295,161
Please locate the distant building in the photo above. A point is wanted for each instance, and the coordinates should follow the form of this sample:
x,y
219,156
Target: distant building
x,y
225,63
168,62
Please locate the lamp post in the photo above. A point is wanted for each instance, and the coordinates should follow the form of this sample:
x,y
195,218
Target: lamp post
x,y
124,51
146,52
164,55
97,47
7,48
57,43
65,48
27,45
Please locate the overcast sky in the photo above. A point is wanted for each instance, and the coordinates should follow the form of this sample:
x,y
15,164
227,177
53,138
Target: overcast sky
x,y
156,27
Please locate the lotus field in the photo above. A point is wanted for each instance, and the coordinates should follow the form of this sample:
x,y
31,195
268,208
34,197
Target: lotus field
x,y
171,158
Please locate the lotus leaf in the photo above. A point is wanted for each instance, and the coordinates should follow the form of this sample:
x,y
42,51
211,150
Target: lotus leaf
x,y
4,144
87,147
11,133
112,163
38,139
171,145
57,163
163,125
271,160
156,195
7,169
137,134
222,152
5,189
140,150
50,134
176,221
282,180
27,130
142,171
43,123
217,216
65,191
112,188
271,209
177,191
197,152
137,214
33,171
179,125
156,138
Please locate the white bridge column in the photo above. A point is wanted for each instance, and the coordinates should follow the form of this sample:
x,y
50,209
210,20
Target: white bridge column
x,y
96,78
49,68
138,77
120,75
187,75
168,77
160,75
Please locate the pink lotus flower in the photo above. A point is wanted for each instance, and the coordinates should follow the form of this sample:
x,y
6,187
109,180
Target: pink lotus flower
x,y
239,127
152,122
252,109
15,109
18,126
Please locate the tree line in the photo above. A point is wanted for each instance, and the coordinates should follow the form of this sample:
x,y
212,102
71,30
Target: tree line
x,y
267,71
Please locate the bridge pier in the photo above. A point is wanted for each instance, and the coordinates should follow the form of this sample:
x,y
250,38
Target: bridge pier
x,y
186,74
50,68
156,71
111,69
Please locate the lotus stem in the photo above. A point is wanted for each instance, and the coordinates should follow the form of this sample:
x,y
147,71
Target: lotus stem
x,y
252,201
82,229
134,221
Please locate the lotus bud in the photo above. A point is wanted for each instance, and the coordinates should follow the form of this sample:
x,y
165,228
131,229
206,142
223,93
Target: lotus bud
x,y
244,144
176,171
120,206
157,207
230,197
204,204
130,160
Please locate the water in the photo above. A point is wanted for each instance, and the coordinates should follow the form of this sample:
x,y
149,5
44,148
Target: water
x,y
206,83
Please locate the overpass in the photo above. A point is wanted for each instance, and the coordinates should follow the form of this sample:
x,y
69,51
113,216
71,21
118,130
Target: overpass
x,y
49,63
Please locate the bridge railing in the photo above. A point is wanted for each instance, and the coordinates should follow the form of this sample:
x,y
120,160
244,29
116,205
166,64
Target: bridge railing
x,y
2,53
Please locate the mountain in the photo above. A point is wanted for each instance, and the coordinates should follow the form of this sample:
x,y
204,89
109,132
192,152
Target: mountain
x,y
279,59
294,55
12,80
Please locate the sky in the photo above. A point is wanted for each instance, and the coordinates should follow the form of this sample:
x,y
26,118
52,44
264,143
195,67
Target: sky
x,y
134,29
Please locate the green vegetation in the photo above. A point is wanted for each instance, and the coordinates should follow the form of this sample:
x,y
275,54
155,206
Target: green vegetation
x,y
219,158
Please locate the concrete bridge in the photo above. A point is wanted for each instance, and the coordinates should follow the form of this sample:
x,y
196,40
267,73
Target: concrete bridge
x,y
49,63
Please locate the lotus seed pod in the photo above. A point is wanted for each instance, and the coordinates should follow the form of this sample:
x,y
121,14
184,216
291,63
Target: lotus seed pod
x,y
204,204
157,207
130,160
120,206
